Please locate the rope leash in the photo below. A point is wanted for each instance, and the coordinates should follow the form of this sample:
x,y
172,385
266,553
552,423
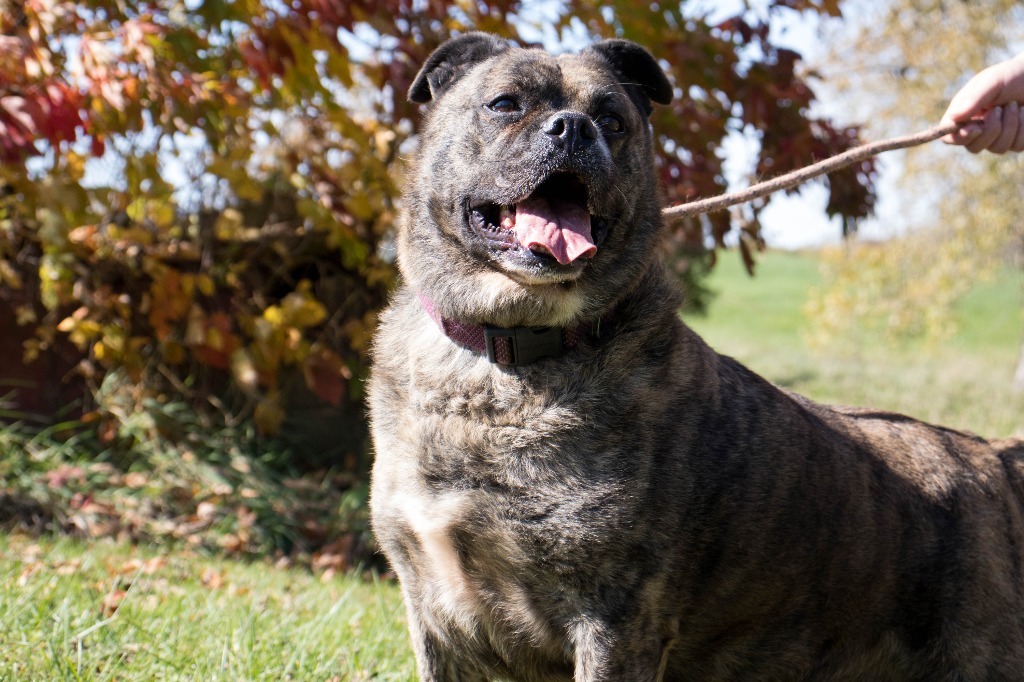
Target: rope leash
x,y
802,175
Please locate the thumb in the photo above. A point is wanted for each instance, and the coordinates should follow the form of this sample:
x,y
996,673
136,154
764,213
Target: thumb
x,y
974,98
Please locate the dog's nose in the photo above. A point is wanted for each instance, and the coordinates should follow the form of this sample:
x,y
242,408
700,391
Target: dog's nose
x,y
571,130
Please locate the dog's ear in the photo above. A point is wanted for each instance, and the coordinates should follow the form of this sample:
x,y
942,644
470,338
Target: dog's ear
x,y
447,63
637,69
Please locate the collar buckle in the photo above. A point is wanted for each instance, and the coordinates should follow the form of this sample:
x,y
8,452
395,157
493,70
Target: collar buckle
x,y
525,344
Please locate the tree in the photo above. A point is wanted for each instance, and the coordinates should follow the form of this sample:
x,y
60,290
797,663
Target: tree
x,y
900,63
239,241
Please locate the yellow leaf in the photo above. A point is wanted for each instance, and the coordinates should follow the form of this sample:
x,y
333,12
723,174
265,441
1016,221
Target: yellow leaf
x,y
382,140
75,165
243,369
9,275
173,353
263,328
229,224
161,213
361,206
269,415
31,353
137,210
214,338
205,284
303,312
25,315
113,337
195,330
248,189
293,339
137,235
274,316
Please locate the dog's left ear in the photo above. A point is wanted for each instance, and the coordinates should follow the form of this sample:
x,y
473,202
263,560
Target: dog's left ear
x,y
638,70
450,61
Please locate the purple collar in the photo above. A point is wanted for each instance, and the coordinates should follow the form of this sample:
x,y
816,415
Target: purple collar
x,y
512,346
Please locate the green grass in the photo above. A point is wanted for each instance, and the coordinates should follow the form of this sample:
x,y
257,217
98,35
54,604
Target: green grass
x,y
182,616
965,382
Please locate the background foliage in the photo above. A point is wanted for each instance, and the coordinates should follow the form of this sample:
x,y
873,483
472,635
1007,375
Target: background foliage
x,y
199,195
897,63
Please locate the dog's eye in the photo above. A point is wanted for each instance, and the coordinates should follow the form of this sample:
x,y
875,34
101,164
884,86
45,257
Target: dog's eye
x,y
503,105
610,123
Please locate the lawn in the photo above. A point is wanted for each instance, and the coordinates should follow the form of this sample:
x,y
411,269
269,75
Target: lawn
x,y
964,382
108,611
111,611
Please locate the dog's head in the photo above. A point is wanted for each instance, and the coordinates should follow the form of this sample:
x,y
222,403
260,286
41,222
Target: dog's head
x,y
534,199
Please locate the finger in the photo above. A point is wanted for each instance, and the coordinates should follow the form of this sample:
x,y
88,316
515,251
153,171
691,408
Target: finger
x,y
964,135
1018,143
991,128
1008,129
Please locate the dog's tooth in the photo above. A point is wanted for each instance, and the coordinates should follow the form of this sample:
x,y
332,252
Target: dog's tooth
x,y
507,219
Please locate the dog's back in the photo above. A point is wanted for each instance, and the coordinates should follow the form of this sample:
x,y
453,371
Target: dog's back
x,y
1011,454
885,549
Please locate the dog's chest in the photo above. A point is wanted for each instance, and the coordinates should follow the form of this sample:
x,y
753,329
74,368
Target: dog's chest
x,y
498,493
531,475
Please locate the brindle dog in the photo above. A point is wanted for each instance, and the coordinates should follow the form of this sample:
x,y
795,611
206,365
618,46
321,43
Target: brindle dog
x,y
571,485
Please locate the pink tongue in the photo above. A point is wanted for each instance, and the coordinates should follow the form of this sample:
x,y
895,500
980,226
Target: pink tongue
x,y
560,227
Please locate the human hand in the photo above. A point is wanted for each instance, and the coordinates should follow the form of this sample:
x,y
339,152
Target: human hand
x,y
992,106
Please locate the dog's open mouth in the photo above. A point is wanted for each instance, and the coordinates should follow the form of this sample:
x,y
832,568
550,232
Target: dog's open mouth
x,y
553,221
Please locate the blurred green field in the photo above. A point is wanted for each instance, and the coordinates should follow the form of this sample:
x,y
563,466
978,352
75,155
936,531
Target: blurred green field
x,y
964,382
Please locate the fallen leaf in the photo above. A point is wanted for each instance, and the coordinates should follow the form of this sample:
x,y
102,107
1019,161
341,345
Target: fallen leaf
x,y
232,543
246,517
138,566
67,567
28,572
64,474
113,601
136,479
206,510
212,578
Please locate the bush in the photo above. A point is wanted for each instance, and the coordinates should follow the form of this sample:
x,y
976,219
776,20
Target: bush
x,y
201,203
160,477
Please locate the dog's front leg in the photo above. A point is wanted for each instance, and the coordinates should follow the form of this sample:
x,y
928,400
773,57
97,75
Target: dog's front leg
x,y
629,652
434,661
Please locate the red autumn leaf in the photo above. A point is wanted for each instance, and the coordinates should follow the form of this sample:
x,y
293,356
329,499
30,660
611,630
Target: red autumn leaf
x,y
61,116
326,375
48,112
98,146
219,342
